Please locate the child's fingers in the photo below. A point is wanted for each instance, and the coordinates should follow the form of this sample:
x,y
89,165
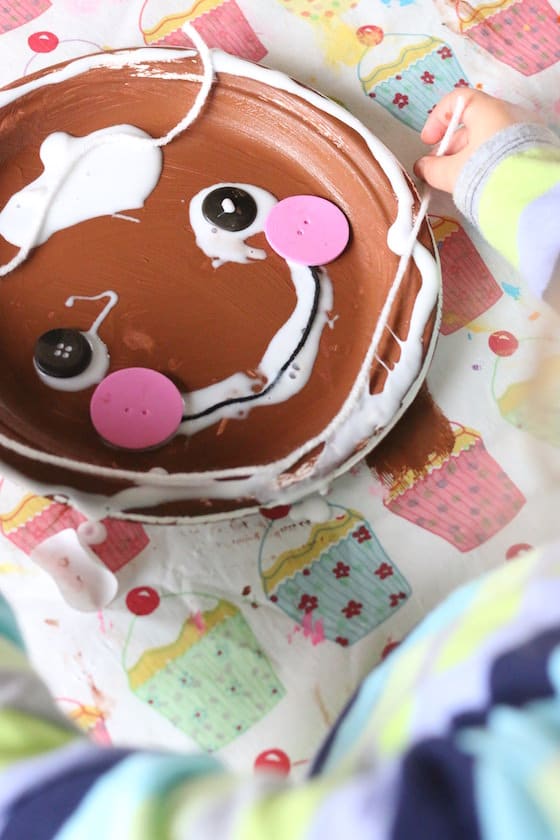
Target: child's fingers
x,y
439,172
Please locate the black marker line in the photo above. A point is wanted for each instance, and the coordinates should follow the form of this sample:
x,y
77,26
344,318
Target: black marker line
x,y
305,335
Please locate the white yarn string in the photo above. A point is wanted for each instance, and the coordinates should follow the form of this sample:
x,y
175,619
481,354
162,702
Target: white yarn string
x,y
192,114
423,209
424,204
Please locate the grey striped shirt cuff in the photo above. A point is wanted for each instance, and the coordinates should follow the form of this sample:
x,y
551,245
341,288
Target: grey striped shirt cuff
x,y
513,139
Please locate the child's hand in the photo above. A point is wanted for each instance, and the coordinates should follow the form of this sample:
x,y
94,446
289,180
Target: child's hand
x,y
483,116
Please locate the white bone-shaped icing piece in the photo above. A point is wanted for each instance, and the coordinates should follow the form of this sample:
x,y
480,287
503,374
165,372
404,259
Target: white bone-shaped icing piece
x,y
82,579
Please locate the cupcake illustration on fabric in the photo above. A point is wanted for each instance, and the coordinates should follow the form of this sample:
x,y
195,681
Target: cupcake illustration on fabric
x,y
469,289
36,519
439,475
520,33
17,14
205,672
407,73
220,23
338,577
526,383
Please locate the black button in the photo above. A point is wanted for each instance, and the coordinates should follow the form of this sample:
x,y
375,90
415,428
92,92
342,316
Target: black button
x,y
62,353
230,208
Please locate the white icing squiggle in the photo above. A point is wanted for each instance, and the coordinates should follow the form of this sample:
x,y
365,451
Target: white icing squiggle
x,y
99,364
111,303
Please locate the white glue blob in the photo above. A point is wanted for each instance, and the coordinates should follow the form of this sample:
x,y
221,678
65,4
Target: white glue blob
x,y
313,509
83,177
91,532
82,579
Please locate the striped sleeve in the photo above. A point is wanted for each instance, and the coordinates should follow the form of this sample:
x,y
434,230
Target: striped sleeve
x,y
456,736
510,189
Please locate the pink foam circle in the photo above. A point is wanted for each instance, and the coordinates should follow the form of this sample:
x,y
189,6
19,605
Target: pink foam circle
x,y
136,408
307,229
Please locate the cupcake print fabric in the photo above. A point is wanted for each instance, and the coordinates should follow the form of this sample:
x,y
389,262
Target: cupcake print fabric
x,y
247,637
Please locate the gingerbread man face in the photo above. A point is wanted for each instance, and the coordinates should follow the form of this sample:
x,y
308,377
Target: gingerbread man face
x,y
192,332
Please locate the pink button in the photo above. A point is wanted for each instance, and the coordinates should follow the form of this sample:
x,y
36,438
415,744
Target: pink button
x,y
136,408
307,229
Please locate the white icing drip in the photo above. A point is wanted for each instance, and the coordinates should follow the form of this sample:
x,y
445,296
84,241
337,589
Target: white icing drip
x,y
313,509
83,178
224,246
125,217
373,412
362,414
147,72
113,299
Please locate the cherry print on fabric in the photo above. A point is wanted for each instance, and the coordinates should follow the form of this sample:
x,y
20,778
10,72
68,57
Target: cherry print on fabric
x,y
503,343
43,42
143,600
273,761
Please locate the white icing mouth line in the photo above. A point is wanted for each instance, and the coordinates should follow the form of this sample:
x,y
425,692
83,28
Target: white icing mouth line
x,y
295,353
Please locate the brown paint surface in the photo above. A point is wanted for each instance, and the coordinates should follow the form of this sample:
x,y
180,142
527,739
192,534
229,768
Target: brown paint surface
x,y
177,314
422,435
